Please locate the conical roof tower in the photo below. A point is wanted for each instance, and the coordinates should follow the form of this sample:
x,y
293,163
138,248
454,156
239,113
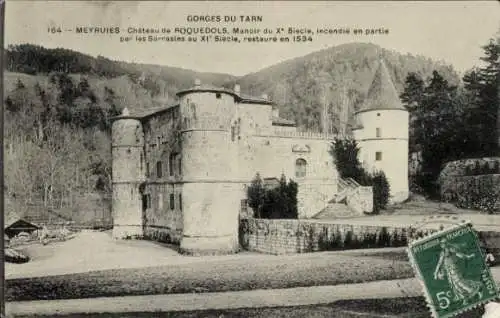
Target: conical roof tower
x,y
382,93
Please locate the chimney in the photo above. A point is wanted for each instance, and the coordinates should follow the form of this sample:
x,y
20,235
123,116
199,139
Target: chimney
x,y
276,112
264,96
197,82
237,88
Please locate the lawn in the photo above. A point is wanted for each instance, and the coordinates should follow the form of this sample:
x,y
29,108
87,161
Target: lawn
x,y
216,276
373,308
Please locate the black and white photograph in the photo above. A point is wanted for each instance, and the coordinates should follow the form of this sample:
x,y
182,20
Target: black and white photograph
x,y
250,158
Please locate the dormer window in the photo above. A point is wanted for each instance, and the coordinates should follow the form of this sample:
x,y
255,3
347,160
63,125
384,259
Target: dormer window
x,y
218,95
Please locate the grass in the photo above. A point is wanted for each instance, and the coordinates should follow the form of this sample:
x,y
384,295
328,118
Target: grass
x,y
372,308
220,276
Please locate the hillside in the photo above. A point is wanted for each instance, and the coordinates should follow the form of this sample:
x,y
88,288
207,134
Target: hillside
x,y
299,86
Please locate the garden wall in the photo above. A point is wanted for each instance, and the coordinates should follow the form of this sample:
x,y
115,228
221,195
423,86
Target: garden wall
x,y
280,236
472,183
285,236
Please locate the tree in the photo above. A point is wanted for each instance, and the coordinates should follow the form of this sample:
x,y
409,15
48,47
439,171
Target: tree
x,y
275,203
439,125
345,152
483,85
256,193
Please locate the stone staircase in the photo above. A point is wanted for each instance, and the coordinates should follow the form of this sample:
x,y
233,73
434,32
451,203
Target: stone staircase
x,y
343,203
345,187
333,211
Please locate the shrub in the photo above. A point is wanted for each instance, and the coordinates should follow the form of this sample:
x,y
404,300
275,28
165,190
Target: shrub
x,y
349,240
345,152
381,191
275,203
484,198
477,168
384,238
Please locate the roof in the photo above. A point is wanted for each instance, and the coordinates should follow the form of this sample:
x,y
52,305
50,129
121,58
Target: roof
x,y
12,221
143,113
247,99
278,121
241,98
382,93
151,111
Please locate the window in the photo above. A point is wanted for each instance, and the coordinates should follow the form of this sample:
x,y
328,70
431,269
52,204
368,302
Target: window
x,y
160,201
379,134
300,168
171,164
378,156
218,95
147,169
378,114
146,201
180,166
159,171
172,203
180,201
233,133
244,206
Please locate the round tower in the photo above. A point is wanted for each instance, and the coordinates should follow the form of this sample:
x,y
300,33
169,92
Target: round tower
x,y
127,149
211,192
382,134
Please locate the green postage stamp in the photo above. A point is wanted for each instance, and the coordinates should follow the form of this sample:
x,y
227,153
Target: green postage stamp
x,y
452,268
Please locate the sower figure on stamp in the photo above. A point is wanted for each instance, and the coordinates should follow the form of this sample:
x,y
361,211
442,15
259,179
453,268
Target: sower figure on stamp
x,y
447,267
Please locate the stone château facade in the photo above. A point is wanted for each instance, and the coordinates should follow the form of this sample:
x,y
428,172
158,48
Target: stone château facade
x,y
182,171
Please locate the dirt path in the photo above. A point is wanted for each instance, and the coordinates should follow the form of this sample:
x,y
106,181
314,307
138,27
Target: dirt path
x,y
93,251
226,300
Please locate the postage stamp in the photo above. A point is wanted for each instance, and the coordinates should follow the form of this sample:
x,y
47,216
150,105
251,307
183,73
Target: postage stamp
x,y
452,269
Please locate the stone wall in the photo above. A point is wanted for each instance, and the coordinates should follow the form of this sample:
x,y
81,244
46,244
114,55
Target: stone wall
x,y
360,200
302,236
471,191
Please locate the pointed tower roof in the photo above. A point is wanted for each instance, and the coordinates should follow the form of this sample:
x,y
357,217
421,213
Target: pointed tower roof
x,y
382,93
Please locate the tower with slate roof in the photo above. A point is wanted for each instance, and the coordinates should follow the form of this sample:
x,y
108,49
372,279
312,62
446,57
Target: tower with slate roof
x,y
381,131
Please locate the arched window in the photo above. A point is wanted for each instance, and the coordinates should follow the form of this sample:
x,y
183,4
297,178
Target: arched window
x,y
300,168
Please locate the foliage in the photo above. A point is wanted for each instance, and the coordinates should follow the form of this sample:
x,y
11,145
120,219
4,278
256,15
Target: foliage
x,y
57,146
485,198
450,122
256,194
382,238
381,190
273,203
345,154
482,169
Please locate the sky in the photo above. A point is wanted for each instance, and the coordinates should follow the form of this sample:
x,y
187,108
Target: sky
x,y
449,31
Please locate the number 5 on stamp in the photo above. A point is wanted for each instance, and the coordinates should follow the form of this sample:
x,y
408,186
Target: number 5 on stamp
x,y
453,270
